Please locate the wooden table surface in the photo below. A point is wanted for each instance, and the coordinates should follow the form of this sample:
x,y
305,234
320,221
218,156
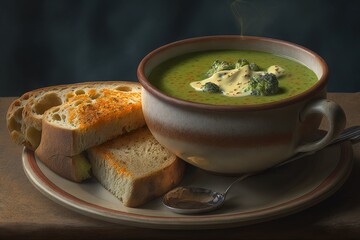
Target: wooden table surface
x,y
26,213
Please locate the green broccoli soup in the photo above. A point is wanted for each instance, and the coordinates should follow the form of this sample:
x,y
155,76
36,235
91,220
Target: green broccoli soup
x,y
232,77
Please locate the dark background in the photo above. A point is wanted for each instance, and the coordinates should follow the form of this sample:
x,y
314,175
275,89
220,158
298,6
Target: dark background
x,y
61,41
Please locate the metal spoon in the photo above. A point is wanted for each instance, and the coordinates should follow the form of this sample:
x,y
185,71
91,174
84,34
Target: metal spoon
x,y
191,200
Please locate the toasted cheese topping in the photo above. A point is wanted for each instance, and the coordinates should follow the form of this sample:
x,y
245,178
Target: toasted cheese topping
x,y
87,111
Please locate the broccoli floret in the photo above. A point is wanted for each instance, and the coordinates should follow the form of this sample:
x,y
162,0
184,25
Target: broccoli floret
x,y
241,62
218,66
263,85
211,87
254,67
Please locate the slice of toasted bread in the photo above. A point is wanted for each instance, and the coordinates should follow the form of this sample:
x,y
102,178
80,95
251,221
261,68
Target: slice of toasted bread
x,y
135,167
24,116
25,121
89,119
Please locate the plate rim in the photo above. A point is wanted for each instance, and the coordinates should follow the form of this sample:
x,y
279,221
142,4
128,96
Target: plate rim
x,y
328,186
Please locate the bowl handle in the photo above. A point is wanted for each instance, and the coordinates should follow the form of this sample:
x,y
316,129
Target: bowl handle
x,y
335,117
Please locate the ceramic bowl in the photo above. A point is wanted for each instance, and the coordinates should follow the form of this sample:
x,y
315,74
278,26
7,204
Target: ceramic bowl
x,y
237,139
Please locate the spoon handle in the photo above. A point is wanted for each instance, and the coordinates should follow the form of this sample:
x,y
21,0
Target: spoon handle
x,y
236,181
352,134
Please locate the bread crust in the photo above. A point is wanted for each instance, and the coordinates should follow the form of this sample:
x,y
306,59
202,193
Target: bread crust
x,y
156,183
53,143
61,165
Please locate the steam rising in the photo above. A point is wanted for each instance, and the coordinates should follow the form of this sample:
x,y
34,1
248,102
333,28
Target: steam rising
x,y
254,16
241,10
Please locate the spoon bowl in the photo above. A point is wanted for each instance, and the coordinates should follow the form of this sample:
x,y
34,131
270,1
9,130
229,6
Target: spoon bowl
x,y
191,200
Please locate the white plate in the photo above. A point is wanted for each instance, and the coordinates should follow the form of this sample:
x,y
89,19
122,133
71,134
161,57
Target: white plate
x,y
276,193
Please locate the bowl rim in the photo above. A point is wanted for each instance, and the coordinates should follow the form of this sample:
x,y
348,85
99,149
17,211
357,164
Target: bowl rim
x,y
312,91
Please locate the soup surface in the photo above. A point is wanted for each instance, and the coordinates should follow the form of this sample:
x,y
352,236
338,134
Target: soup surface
x,y
174,76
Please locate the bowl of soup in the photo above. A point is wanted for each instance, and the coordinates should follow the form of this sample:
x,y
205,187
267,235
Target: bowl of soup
x,y
237,104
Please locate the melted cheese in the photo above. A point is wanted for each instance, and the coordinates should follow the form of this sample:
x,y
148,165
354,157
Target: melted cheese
x,y
234,82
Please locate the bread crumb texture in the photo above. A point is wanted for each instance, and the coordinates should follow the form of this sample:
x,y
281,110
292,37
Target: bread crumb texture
x,y
134,154
85,109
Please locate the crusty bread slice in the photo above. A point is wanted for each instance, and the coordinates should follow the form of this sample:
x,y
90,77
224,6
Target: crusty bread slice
x,y
89,119
135,167
25,116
